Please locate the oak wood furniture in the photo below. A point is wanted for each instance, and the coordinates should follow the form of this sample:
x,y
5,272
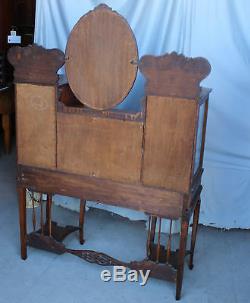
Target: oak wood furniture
x,y
82,146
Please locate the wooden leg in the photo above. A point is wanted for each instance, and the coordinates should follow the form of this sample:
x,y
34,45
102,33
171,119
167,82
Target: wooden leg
x,y
181,257
22,221
48,213
158,243
194,233
168,247
151,233
81,221
6,124
153,226
148,238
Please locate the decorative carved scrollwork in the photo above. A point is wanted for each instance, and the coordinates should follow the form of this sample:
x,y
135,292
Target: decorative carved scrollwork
x,y
35,64
174,75
157,270
96,257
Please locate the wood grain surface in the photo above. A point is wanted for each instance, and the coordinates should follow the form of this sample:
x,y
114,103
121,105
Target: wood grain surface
x,y
135,196
99,52
99,146
169,142
36,125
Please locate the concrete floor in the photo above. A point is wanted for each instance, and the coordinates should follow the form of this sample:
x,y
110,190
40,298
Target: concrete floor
x,y
221,272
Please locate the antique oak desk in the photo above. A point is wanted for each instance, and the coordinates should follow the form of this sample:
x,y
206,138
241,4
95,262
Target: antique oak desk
x,y
71,139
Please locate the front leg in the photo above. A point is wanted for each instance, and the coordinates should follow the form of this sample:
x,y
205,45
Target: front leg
x,y
81,221
181,256
22,221
194,233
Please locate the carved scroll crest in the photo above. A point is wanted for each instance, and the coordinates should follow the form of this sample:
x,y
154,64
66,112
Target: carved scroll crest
x,y
35,64
174,75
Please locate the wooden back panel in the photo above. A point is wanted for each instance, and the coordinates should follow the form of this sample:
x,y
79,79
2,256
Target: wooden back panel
x,y
169,142
100,147
36,125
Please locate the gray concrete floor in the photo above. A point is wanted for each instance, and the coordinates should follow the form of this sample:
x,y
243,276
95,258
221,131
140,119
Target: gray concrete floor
x,y
221,272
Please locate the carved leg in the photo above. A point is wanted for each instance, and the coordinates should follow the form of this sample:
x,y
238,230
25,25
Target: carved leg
x,y
22,221
81,221
6,124
181,257
194,233
48,213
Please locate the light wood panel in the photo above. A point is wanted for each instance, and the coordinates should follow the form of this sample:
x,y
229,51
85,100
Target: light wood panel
x,y
99,52
169,142
36,125
99,147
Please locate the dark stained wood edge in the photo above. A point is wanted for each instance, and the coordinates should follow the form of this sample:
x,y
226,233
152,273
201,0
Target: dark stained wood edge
x,y
111,114
166,203
193,201
196,180
194,132
68,103
174,75
36,65
204,133
195,177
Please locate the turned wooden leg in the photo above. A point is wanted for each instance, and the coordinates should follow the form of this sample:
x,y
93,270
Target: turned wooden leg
x,y
181,257
81,221
48,213
194,233
6,124
22,221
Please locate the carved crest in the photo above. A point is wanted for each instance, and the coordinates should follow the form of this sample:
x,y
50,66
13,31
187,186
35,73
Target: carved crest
x,y
174,75
35,64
